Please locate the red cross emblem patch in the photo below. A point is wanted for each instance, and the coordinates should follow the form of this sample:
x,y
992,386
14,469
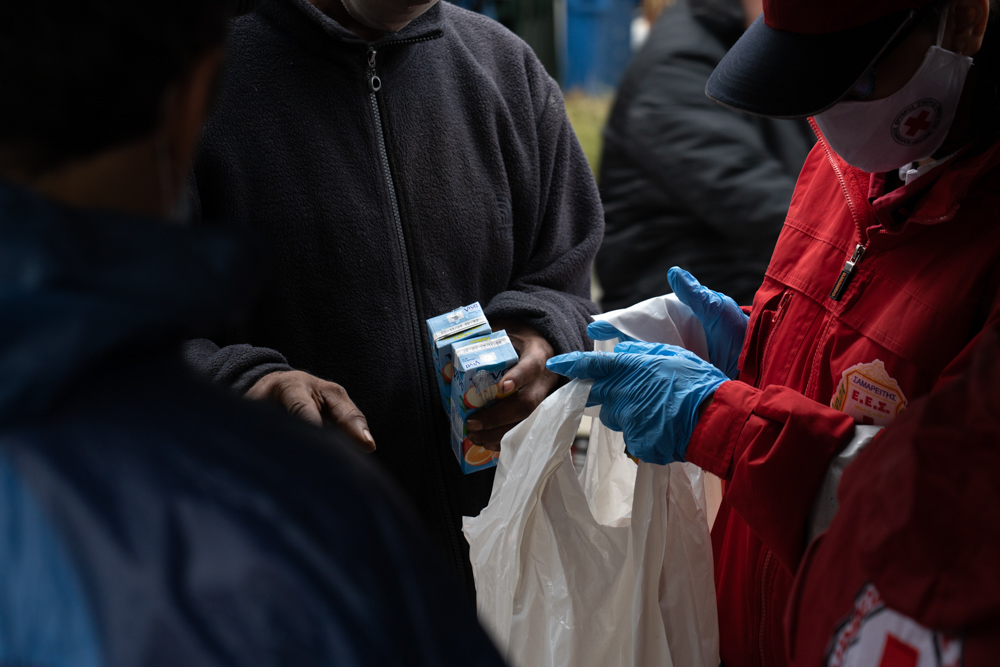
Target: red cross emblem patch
x,y
917,122
874,635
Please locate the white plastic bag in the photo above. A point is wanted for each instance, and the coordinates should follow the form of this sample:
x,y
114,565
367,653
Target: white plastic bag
x,y
664,319
609,568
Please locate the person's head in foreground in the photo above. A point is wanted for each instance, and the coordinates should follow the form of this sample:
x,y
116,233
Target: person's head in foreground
x,y
148,518
888,83
103,101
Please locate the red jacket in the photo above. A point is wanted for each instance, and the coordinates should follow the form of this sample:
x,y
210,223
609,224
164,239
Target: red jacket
x,y
908,572
812,365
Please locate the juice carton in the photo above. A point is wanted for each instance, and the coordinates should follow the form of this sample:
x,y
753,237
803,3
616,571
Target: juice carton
x,y
479,367
445,330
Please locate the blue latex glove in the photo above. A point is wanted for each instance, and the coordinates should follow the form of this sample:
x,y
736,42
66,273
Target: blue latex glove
x,y
600,330
725,324
653,399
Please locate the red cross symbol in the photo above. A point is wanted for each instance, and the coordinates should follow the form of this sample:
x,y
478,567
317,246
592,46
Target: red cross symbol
x,y
898,654
915,124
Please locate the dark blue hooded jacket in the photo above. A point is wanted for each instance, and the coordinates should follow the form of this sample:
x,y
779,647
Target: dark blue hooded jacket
x,y
148,519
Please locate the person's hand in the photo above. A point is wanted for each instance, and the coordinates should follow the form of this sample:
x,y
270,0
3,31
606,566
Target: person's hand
x,y
725,324
653,393
316,401
523,387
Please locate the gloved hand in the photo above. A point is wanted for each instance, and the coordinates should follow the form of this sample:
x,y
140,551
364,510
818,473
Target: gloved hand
x,y
653,399
600,330
725,324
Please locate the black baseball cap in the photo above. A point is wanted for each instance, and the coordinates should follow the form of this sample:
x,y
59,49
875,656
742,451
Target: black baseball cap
x,y
800,57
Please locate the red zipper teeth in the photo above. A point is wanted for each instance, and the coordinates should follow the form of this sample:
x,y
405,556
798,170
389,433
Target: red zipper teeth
x,y
843,186
840,177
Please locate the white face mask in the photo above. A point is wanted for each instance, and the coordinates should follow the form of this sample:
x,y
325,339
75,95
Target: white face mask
x,y
909,125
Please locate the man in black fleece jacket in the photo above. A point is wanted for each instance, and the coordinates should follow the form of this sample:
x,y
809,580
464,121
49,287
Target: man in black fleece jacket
x,y
401,161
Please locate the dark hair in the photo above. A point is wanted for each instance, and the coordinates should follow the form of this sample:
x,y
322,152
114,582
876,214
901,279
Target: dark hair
x,y
81,76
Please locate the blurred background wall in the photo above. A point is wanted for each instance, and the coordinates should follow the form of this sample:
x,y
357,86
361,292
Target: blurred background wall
x,y
584,44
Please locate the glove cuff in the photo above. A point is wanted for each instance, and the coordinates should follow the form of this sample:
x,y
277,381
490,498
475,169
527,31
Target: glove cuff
x,y
713,442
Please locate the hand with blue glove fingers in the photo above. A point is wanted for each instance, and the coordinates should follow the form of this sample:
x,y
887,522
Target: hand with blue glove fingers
x,y
725,324
653,399
600,330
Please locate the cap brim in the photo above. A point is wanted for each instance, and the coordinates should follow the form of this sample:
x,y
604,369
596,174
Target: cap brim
x,y
783,74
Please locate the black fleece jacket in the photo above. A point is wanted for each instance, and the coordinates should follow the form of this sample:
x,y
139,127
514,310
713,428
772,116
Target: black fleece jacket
x,y
684,180
459,180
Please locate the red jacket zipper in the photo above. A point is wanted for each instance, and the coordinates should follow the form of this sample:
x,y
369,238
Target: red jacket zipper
x,y
847,272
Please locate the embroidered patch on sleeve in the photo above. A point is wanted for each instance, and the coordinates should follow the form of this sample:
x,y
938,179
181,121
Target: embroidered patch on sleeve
x,y
867,393
875,636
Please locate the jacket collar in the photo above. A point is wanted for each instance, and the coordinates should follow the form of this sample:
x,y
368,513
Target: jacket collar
x,y
80,289
933,198
936,196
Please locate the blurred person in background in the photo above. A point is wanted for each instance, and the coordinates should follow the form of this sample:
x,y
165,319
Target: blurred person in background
x,y
649,11
402,161
685,181
149,518
883,286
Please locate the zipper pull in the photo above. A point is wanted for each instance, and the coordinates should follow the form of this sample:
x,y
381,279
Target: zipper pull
x,y
374,83
845,275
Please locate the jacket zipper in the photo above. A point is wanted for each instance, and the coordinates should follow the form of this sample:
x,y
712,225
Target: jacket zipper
x,y
845,275
374,86
847,272
836,293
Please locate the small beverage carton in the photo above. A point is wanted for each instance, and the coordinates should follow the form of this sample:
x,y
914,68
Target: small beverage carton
x,y
444,330
480,366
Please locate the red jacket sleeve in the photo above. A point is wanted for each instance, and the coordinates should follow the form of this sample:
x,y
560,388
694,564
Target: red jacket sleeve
x,y
773,447
917,520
